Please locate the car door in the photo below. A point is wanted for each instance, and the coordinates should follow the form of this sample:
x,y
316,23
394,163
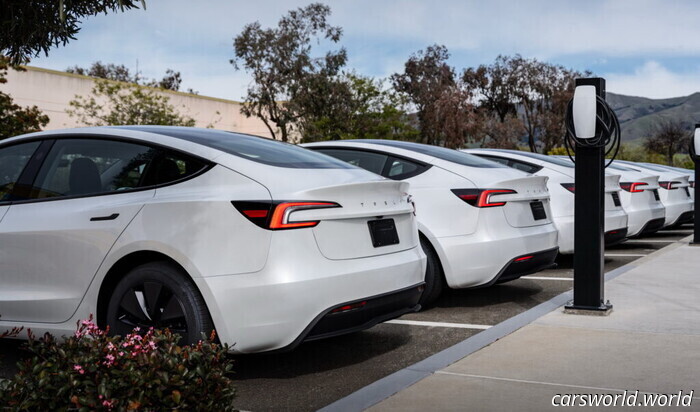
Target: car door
x,y
13,160
54,239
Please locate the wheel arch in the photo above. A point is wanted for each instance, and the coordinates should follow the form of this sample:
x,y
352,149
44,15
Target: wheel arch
x,y
423,233
120,268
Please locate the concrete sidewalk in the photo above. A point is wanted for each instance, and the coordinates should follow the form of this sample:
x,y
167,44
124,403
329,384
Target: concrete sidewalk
x,y
650,343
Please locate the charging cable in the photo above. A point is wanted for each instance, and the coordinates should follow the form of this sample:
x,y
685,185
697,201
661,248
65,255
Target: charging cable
x,y
607,127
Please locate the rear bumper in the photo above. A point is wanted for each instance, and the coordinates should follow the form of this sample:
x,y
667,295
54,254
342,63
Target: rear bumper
x,y
614,237
525,265
374,310
674,211
685,217
475,260
278,307
652,226
615,220
638,218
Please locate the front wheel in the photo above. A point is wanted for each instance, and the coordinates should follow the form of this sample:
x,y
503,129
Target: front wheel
x,y
159,295
434,279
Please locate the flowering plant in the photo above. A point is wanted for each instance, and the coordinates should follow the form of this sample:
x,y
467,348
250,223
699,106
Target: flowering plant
x,y
144,370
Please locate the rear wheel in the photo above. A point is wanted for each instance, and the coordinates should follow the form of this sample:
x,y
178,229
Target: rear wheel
x,y
434,279
159,295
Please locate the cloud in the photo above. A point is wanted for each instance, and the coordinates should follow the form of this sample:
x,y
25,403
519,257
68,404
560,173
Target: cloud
x,y
655,81
196,38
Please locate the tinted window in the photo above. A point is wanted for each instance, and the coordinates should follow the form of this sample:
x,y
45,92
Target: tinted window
x,y
13,160
515,164
550,159
399,168
450,155
76,167
374,162
169,167
258,149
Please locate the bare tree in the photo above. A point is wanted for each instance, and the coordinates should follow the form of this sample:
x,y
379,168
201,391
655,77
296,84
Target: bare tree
x,y
668,137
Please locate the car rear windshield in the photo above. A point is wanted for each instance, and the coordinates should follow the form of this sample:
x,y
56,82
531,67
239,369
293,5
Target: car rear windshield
x,y
258,149
443,153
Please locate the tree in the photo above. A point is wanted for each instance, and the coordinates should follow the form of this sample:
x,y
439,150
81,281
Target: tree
x,y
283,68
357,107
121,73
443,104
14,119
29,27
495,89
543,91
116,103
668,137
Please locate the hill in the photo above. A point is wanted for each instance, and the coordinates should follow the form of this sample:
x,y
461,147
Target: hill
x,y
638,114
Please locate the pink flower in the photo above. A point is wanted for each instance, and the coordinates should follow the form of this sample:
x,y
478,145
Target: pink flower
x,y
79,369
108,404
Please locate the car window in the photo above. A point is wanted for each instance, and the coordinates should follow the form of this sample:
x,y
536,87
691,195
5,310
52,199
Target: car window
x,y
515,164
170,167
257,149
401,168
374,162
443,153
78,167
13,160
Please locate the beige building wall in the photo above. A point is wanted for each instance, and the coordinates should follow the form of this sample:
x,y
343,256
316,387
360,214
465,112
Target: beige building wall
x,y
51,91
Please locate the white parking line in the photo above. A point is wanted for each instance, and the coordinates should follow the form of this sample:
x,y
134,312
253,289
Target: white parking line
x,y
545,278
438,324
651,241
625,254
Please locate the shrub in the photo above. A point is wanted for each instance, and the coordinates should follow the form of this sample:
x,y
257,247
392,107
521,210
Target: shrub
x,y
140,371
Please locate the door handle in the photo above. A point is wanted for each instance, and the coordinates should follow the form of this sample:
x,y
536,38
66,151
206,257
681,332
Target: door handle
x,y
102,218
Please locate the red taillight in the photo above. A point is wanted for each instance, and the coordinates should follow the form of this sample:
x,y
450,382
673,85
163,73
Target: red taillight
x,y
570,187
481,197
275,215
669,185
255,214
632,187
524,258
352,306
280,217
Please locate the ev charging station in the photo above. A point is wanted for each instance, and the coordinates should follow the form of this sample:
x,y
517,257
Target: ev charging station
x,y
694,147
593,132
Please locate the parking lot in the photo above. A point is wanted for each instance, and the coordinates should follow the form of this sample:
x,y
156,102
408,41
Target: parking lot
x,y
321,372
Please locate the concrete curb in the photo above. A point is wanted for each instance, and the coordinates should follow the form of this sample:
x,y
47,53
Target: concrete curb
x,y
382,389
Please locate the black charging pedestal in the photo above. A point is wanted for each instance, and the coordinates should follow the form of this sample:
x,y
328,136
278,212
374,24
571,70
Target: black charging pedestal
x,y
589,220
694,155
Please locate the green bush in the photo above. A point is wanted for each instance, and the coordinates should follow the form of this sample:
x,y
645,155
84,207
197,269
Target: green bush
x,y
140,371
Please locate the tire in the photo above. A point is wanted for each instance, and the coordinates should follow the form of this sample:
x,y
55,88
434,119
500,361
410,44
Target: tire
x,y
168,299
434,279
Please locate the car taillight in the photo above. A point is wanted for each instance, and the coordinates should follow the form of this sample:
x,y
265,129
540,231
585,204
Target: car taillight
x,y
275,215
482,197
632,187
669,185
571,187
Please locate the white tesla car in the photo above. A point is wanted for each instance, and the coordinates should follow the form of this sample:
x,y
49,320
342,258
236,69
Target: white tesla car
x,y
195,229
688,172
674,192
561,189
480,222
641,200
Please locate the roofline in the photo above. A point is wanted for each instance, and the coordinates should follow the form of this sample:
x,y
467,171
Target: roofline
x,y
173,92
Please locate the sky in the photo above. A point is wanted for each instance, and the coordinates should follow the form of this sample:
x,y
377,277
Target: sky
x,y
647,48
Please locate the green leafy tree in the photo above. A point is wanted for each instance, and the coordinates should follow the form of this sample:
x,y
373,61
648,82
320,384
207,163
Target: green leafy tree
x,y
14,119
283,68
354,107
119,72
30,27
116,103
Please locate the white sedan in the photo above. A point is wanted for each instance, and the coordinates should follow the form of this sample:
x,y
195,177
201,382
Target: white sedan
x,y
674,192
195,229
561,188
480,222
